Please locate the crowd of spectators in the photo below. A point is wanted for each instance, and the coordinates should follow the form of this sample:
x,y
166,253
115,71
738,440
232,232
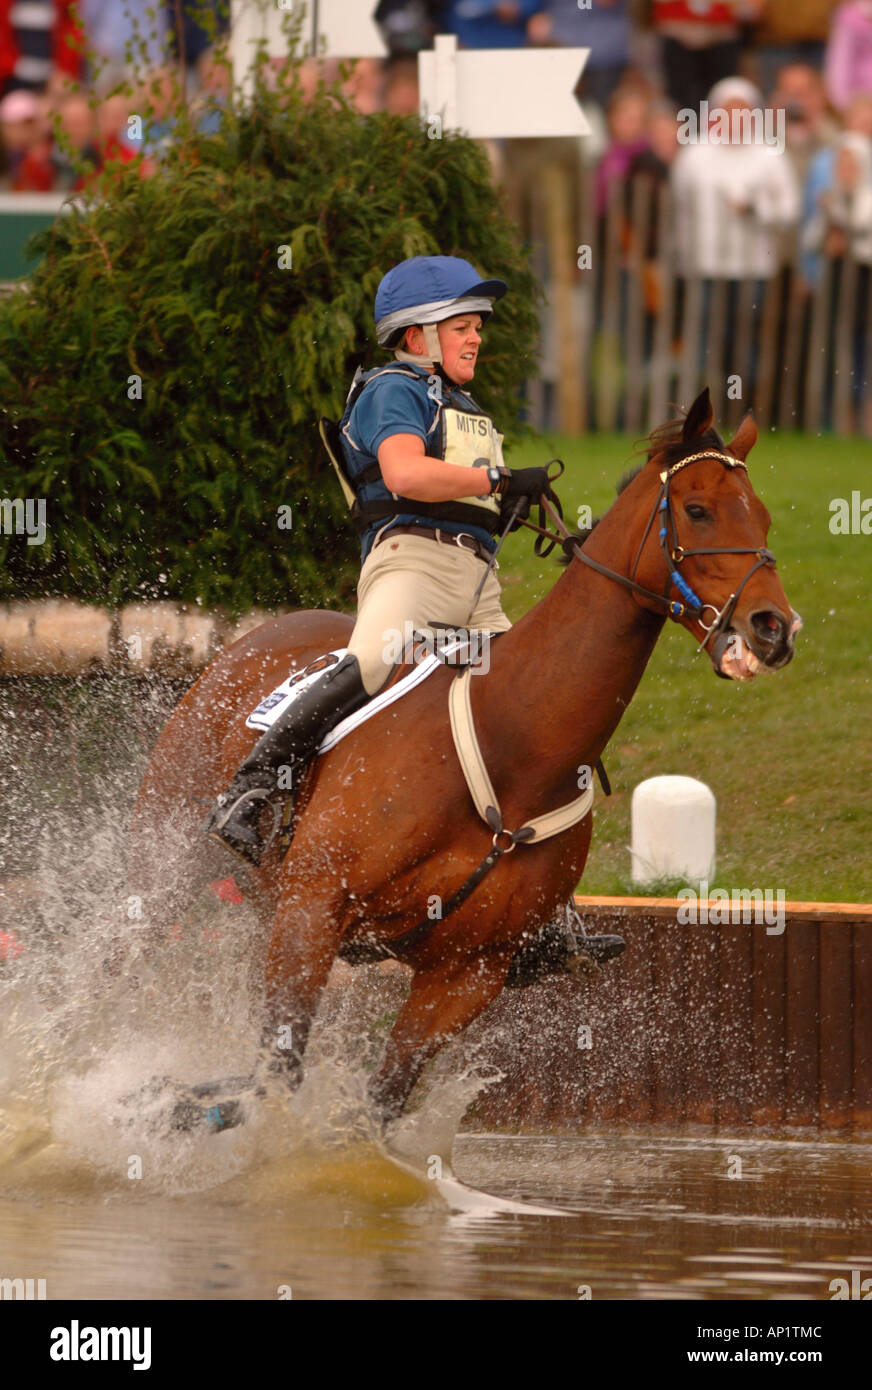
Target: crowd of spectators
x,y
61,66
806,62
785,192
73,71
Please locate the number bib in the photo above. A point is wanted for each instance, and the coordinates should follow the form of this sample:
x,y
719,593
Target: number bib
x,y
470,441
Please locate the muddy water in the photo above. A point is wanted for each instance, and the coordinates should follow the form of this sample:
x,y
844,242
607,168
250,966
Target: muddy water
x,y
647,1218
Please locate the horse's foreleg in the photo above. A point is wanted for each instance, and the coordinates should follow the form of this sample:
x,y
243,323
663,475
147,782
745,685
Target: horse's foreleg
x,y
443,1000
305,940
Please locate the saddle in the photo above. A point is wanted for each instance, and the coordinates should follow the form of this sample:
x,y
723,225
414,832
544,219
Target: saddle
x,y
426,651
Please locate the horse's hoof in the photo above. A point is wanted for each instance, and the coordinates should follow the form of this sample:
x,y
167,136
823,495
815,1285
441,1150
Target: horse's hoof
x,y
561,954
205,1090
598,949
284,1067
383,1109
187,1115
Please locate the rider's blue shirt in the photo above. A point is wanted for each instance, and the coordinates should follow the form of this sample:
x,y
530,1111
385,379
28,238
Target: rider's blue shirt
x,y
395,403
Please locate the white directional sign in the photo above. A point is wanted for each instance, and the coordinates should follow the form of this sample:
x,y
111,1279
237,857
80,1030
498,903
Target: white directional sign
x,y
502,92
345,29
484,92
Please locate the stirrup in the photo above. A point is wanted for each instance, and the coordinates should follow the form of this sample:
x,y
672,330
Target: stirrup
x,y
592,952
254,849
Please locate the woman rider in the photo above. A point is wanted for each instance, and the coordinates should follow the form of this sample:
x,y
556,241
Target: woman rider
x,y
426,467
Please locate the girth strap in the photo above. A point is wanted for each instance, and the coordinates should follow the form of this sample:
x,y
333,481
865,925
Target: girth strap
x,y
479,783
487,805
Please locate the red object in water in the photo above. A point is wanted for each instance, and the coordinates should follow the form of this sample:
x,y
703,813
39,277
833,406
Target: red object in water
x,y
9,946
210,934
226,890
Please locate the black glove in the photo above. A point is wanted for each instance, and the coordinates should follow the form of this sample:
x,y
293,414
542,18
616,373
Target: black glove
x,y
532,483
507,507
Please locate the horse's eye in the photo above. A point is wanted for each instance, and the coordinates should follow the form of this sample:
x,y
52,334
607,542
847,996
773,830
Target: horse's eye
x,y
696,512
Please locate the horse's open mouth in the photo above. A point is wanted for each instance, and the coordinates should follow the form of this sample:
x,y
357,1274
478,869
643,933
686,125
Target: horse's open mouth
x,y
735,660
738,662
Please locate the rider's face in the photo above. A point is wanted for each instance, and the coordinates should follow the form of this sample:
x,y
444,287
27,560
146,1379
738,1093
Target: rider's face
x,y
459,339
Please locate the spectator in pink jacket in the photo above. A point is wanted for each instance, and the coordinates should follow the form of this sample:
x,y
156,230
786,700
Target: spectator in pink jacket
x,y
628,137
848,62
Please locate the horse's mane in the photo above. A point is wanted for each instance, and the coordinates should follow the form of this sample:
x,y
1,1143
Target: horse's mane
x,y
668,443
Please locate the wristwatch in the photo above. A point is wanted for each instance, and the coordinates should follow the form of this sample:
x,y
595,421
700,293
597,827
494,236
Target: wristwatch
x,y
499,480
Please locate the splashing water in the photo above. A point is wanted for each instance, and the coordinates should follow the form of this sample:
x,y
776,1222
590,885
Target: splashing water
x,y
91,1013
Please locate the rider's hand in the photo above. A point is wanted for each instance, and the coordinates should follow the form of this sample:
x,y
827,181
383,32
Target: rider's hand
x,y
507,507
528,482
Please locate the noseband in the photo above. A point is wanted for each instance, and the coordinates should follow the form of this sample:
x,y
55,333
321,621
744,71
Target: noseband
x,y
674,553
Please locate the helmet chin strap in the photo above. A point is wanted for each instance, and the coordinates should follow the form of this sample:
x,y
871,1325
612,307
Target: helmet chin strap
x,y
433,353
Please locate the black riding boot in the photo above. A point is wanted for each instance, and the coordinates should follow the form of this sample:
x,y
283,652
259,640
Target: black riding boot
x,y
561,947
291,742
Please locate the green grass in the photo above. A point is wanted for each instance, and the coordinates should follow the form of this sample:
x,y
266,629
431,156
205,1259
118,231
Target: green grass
x,y
789,757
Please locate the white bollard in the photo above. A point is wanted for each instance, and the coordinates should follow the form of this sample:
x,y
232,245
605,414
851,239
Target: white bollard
x,y
673,829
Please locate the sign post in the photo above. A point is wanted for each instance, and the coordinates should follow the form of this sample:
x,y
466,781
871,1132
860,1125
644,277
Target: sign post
x,y
502,93
522,93
339,29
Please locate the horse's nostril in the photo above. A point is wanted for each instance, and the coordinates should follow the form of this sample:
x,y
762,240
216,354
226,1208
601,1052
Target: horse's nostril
x,y
768,626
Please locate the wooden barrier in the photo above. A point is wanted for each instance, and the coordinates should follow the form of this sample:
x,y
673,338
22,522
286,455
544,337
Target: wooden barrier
x,y
726,1026
63,637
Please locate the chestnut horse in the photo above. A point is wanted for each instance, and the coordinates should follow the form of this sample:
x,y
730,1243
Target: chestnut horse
x,y
385,821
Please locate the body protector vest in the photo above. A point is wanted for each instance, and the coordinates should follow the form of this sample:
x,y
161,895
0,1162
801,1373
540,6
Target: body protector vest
x,y
460,433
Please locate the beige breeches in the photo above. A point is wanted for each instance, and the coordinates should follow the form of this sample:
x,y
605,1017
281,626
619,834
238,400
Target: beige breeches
x,y
408,582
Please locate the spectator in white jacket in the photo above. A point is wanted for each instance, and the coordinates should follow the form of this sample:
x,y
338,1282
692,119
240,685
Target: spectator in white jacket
x,y
732,198
842,220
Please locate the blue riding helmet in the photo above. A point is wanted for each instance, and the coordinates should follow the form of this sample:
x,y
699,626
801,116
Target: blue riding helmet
x,y
428,289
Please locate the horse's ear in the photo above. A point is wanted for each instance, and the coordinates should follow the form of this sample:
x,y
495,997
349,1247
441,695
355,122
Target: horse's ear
x,y
699,418
744,439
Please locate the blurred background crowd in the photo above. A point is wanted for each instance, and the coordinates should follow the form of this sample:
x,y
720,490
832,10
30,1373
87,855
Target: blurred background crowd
x,y
739,213
62,63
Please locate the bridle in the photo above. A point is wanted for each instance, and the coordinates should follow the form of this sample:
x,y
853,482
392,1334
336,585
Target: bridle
x,y
674,553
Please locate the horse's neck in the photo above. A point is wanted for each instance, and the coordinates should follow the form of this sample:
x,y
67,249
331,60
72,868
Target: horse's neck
x,y
572,665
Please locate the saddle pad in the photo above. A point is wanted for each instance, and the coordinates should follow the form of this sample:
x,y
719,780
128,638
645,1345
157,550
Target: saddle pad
x,y
273,706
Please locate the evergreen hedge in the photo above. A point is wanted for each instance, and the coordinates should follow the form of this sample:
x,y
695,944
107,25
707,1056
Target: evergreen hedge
x,y
175,279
